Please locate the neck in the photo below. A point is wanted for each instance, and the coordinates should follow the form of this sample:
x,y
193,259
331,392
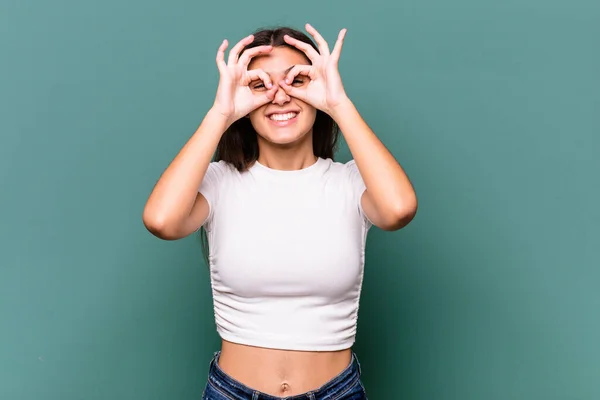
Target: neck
x,y
288,157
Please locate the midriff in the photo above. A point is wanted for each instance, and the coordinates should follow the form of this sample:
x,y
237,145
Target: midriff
x,y
281,372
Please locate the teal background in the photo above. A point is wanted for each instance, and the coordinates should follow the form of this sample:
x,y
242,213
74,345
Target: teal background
x,y
492,107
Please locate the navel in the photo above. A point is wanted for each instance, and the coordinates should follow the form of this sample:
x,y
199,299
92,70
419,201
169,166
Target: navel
x,y
285,388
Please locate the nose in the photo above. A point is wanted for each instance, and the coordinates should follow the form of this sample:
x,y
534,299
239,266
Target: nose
x,y
281,97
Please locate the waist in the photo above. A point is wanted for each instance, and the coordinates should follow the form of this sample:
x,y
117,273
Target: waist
x,y
277,372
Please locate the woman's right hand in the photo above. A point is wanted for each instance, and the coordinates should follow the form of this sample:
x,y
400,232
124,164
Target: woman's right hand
x,y
235,99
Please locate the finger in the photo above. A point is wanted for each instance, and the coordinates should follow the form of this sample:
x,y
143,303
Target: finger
x,y
253,52
292,91
323,46
256,74
297,70
265,97
221,55
235,51
337,49
310,52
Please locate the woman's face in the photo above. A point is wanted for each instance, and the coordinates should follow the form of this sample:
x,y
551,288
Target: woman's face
x,y
284,120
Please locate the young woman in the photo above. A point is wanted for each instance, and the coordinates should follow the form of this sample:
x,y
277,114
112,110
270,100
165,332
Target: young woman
x,y
286,225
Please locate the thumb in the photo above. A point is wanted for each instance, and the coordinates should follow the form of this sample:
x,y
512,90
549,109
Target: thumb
x,y
265,97
292,91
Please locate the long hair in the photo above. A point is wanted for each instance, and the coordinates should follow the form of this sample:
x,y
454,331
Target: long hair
x,y
239,144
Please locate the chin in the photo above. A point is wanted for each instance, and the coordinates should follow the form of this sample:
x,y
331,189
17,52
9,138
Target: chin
x,y
283,138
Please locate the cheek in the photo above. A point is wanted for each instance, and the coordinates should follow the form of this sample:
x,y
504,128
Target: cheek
x,y
310,116
253,118
257,118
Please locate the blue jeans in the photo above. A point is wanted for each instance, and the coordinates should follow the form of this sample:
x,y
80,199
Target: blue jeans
x,y
345,386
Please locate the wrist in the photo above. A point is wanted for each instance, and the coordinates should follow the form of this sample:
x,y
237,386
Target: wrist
x,y
341,109
217,116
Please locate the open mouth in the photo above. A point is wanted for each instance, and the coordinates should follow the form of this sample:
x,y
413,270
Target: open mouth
x,y
283,119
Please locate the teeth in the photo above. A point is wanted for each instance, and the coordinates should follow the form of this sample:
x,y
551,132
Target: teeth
x,y
283,117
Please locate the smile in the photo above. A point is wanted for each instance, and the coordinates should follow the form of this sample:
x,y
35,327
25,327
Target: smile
x,y
283,119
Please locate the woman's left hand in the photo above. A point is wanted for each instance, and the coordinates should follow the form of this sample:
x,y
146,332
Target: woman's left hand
x,y
324,90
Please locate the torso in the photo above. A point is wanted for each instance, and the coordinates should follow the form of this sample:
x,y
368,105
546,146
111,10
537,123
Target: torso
x,y
286,267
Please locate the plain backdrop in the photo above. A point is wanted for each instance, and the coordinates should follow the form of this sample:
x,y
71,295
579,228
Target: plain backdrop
x,y
492,107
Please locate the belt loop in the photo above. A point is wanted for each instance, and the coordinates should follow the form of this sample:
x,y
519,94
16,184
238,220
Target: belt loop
x,y
357,363
255,395
311,396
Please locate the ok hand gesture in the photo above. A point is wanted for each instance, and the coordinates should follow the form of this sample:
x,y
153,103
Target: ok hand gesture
x,y
325,90
234,97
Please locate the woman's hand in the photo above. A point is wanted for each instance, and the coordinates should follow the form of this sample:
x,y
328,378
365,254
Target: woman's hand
x,y
324,90
234,98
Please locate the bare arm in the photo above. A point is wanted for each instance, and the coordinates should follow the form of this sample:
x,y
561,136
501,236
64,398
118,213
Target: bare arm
x,y
390,201
175,208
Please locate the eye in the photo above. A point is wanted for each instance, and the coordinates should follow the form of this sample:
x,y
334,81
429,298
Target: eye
x,y
298,81
258,85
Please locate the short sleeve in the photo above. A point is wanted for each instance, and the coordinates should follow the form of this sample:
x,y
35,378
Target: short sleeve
x,y
211,184
357,187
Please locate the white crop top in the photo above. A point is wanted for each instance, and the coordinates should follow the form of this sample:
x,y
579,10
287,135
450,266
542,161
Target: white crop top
x,y
287,251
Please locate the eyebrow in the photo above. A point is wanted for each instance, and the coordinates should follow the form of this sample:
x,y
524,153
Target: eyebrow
x,y
288,70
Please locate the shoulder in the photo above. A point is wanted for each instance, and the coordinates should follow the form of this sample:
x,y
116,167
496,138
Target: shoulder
x,y
343,169
220,169
345,174
348,174
221,166
216,174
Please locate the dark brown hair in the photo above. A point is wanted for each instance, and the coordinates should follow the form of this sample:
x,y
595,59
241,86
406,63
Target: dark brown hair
x,y
239,144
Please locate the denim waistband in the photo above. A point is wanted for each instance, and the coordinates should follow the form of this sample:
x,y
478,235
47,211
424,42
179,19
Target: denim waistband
x,y
331,390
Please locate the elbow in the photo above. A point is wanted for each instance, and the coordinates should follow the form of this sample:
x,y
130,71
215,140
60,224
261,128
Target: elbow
x,y
160,225
401,214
